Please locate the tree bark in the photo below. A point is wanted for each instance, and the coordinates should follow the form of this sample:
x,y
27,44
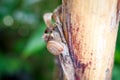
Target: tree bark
x,y
90,28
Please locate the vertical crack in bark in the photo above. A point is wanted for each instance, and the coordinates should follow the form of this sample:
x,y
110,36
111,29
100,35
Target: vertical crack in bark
x,y
69,30
118,11
77,64
68,23
69,36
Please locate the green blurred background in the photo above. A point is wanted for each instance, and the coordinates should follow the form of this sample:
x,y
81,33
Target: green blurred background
x,y
23,55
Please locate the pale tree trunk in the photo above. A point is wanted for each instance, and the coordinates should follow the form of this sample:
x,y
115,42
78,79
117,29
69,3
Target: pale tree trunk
x,y
90,28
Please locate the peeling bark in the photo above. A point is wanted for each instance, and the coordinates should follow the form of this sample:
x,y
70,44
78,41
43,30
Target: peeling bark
x,y
90,28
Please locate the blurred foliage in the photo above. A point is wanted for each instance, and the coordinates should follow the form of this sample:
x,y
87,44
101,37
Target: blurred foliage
x,y
23,55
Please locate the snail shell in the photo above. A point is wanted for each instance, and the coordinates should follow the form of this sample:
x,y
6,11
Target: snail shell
x,y
55,47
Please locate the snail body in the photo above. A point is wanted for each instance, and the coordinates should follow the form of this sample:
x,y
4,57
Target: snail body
x,y
55,47
53,34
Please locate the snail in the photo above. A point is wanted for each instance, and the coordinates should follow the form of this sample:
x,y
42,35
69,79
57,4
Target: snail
x,y
55,47
54,36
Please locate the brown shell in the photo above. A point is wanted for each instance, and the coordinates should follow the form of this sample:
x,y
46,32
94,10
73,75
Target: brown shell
x,y
55,47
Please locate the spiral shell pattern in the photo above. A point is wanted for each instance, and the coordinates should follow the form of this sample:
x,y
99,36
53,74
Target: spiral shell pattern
x,y
55,47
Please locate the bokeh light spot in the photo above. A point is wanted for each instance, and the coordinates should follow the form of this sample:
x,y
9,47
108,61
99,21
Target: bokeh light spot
x,y
8,20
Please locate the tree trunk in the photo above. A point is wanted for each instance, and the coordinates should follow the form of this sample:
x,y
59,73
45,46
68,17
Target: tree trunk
x,y
90,28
